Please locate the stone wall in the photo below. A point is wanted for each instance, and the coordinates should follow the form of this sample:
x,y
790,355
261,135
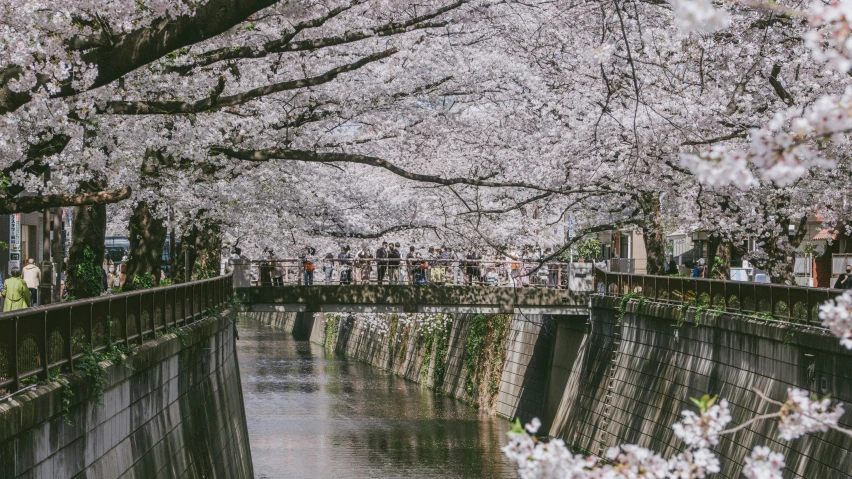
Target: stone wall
x,y
511,382
175,410
630,380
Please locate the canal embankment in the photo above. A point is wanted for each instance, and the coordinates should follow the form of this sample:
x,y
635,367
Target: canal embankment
x,y
173,407
621,376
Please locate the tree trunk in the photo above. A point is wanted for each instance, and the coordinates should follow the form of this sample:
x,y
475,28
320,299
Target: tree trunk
x,y
84,278
147,238
719,249
655,246
652,232
209,252
185,254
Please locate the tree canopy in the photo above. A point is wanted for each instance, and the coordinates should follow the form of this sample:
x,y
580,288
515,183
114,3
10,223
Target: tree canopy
x,y
488,122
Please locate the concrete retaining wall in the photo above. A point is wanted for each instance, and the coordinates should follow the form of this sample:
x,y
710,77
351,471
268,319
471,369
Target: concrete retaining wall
x,y
629,382
174,411
607,381
523,360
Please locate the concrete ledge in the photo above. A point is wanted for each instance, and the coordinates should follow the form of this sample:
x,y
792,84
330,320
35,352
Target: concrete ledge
x,y
413,299
806,336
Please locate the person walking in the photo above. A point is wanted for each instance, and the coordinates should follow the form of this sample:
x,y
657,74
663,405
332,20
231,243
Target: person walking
x,y
381,257
32,276
458,266
363,268
328,268
345,258
308,266
410,258
16,292
393,264
473,269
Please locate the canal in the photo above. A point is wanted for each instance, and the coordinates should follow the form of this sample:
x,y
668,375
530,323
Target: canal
x,y
315,414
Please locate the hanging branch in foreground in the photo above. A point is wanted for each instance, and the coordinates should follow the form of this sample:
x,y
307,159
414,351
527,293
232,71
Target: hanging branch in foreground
x,y
28,204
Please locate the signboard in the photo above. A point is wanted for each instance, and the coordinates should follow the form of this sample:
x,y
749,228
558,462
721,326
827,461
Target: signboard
x,y
14,241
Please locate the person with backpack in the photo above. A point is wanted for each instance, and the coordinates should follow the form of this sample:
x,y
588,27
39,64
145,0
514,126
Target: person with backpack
x,y
418,273
308,266
700,270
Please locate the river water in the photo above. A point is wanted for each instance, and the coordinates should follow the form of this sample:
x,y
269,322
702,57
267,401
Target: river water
x,y
315,414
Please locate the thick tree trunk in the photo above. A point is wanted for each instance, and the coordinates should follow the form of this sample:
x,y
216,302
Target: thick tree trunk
x,y
655,246
84,278
147,238
652,232
208,246
720,250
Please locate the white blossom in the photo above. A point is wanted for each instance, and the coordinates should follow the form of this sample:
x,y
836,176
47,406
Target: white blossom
x,y
801,414
764,464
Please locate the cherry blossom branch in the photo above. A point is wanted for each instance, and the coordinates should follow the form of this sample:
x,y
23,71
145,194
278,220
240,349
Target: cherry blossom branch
x,y
330,157
285,44
216,102
28,204
750,422
139,48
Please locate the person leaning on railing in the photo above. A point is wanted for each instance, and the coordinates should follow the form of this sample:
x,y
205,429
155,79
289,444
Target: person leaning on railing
x,y
17,293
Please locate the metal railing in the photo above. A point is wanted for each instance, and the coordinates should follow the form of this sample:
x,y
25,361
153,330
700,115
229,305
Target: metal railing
x,y
483,272
791,303
35,340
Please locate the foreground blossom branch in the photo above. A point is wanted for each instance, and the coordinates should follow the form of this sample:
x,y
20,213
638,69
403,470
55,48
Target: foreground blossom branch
x,y
801,413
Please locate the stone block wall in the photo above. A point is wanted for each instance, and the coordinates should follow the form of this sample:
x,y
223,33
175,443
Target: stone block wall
x,y
525,358
630,380
175,410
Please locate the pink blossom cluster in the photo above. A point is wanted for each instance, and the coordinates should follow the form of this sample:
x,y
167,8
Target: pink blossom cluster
x,y
802,414
553,460
703,430
782,150
836,315
830,40
763,464
699,16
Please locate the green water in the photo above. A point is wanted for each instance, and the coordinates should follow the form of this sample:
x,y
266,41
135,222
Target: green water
x,y
314,414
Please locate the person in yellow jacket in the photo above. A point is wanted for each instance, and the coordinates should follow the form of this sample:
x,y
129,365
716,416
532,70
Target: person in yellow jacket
x,y
16,292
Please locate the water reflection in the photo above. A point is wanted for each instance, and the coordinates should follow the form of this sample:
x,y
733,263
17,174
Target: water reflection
x,y
312,414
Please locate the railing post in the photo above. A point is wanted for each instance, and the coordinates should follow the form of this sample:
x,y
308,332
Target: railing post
x,y
139,320
68,348
91,329
808,305
44,349
15,356
789,304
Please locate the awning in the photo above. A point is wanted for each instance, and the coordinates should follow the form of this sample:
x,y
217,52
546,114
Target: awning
x,y
825,234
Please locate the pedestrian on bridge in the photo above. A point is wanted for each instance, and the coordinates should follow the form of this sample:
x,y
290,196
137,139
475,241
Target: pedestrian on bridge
x,y
16,291
381,257
394,257
345,258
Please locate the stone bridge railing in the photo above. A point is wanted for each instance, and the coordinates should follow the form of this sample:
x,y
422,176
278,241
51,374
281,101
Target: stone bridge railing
x,y
413,299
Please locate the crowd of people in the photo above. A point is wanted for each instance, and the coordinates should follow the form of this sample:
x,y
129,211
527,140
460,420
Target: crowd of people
x,y
390,264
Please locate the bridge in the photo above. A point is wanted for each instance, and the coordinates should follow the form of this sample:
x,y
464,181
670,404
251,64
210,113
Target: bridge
x,y
567,293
